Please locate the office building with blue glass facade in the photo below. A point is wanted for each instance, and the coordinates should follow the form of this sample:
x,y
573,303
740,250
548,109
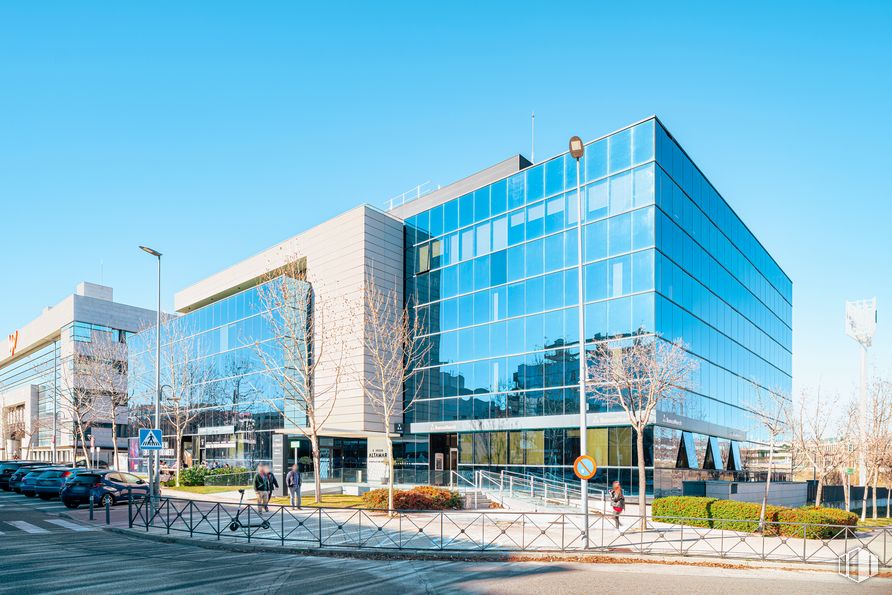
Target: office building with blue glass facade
x,y
493,273
489,265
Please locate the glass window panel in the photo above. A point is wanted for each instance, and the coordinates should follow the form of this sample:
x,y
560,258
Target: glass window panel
x,y
596,285
482,453
467,244
466,276
554,291
481,272
596,160
437,221
620,317
596,445
534,447
643,312
643,142
620,276
597,200
500,233
498,197
571,287
515,448
643,185
498,338
466,448
466,310
554,214
554,176
450,216
620,233
554,252
516,302
535,220
643,228
514,329
620,193
571,327
571,249
483,238
534,333
534,295
481,307
481,204
643,270
516,186
498,267
516,227
596,240
619,441
516,262
449,314
620,151
534,258
535,183
466,210
449,281
499,448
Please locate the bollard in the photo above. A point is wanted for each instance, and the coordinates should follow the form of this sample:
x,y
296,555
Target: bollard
x,y
107,511
91,507
130,507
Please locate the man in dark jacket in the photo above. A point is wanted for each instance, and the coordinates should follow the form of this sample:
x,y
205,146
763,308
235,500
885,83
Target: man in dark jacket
x,y
271,483
292,481
262,487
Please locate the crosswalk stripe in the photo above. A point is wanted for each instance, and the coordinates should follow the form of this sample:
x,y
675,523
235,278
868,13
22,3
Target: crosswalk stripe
x,y
26,527
69,525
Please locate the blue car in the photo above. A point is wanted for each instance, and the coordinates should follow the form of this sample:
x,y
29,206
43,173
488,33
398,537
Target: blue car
x,y
48,483
28,482
105,486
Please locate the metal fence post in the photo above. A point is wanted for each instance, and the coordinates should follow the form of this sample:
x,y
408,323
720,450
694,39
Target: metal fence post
x,y
248,528
804,541
319,513
129,508
167,523
91,507
107,512
191,506
282,521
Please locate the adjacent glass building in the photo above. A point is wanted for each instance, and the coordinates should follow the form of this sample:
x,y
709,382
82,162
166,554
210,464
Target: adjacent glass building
x,y
493,276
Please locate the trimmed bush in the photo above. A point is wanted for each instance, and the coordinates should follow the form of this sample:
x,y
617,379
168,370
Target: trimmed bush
x,y
697,511
417,498
193,476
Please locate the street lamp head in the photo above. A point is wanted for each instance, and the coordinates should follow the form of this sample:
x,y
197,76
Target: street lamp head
x,y
150,251
576,147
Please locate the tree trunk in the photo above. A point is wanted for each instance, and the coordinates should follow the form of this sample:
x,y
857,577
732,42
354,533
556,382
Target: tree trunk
x,y
888,498
876,474
114,432
864,497
179,458
80,431
390,472
846,492
767,487
819,493
642,479
314,444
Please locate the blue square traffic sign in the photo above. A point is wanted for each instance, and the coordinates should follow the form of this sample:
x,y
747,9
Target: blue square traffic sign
x,y
149,439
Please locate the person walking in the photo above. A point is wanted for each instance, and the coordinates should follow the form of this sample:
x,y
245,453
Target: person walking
x,y
261,488
272,485
617,501
292,482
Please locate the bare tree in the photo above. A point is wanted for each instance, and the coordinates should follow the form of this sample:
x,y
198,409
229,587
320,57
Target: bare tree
x,y
817,437
878,438
772,417
80,401
306,330
638,376
395,350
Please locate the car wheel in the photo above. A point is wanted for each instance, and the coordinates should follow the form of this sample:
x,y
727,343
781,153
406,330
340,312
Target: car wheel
x,y
107,500
69,504
264,525
233,526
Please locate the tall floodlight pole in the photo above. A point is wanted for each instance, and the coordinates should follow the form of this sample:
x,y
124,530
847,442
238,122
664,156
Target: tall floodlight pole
x,y
577,149
156,459
861,323
56,398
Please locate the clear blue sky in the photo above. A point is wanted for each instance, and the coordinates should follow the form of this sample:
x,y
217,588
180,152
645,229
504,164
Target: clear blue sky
x,y
211,130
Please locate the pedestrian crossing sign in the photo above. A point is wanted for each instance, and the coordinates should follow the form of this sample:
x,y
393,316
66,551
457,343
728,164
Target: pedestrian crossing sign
x,y
149,439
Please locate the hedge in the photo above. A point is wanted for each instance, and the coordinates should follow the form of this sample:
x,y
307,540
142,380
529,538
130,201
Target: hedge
x,y
698,511
417,498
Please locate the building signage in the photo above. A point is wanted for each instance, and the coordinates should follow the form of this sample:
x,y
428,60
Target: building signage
x,y
377,464
204,431
13,342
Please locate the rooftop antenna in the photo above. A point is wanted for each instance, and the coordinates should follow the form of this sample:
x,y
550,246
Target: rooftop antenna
x,y
533,137
861,324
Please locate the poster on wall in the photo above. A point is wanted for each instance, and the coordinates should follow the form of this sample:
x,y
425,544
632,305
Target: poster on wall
x,y
133,459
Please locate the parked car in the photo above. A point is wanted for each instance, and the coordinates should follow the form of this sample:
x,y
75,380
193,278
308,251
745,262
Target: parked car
x,y
47,483
7,469
84,463
104,486
29,480
15,480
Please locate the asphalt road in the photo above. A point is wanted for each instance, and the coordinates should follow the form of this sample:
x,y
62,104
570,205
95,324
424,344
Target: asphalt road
x,y
38,554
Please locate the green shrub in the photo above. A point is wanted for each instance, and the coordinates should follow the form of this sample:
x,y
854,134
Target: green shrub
x,y
698,511
193,476
417,498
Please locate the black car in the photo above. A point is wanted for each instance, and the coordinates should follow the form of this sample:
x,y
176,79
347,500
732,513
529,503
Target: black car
x,y
104,486
7,469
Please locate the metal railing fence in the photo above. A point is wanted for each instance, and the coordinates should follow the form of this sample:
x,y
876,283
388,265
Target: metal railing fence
x,y
502,531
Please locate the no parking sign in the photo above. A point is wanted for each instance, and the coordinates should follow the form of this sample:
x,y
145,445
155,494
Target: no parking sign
x,y
585,467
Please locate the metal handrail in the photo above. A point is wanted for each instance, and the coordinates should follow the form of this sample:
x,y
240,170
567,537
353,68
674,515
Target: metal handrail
x,y
512,484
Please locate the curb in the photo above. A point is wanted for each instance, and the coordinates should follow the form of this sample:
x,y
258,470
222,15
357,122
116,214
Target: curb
x,y
472,556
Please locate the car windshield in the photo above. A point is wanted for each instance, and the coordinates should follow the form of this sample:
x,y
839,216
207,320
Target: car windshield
x,y
52,473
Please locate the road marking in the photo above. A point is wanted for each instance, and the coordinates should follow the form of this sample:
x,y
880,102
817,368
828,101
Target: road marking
x,y
69,525
26,527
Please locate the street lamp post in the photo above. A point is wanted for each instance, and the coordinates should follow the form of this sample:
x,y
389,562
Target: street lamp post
x,y
577,150
156,463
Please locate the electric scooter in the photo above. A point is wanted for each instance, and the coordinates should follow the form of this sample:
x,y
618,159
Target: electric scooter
x,y
237,523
